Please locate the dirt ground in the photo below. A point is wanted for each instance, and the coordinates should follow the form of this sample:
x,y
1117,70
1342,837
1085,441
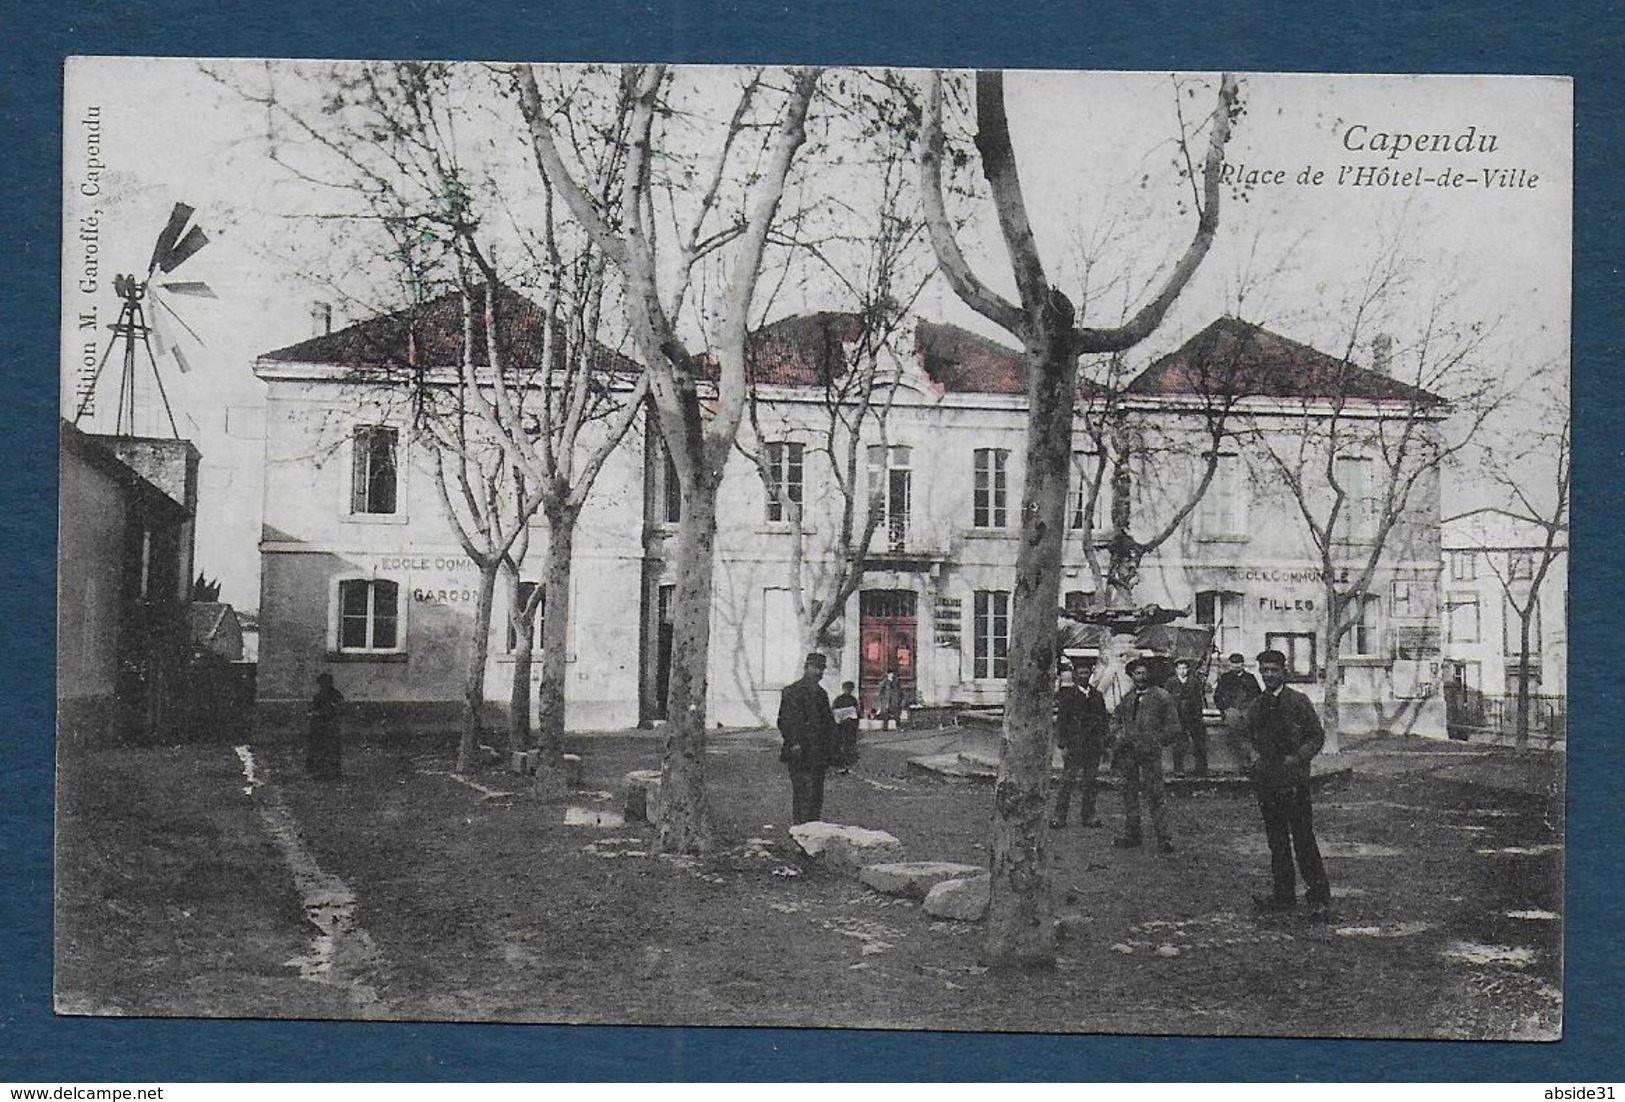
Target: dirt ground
x,y
204,880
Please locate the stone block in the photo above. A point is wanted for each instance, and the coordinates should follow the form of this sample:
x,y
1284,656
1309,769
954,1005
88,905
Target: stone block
x,y
573,770
643,796
913,878
848,848
960,900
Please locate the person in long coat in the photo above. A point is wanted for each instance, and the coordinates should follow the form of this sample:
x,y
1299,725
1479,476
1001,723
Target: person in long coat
x,y
807,725
1081,727
1147,719
1191,696
1284,734
1236,689
324,747
889,701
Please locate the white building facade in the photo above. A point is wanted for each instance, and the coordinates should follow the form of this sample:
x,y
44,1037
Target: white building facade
x,y
362,577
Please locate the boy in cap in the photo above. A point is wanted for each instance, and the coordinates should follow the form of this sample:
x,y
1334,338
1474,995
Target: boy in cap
x,y
1284,733
1191,696
808,726
1147,719
846,727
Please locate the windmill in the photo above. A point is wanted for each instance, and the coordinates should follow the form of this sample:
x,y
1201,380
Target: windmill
x,y
175,245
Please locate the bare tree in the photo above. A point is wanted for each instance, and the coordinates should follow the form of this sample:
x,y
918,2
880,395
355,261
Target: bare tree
x,y
1533,471
524,407
665,221
1357,452
874,259
1020,919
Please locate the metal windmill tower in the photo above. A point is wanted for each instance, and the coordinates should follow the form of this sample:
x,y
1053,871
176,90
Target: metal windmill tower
x,y
137,324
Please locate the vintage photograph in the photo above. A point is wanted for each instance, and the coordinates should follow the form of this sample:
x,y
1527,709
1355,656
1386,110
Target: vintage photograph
x,y
1059,552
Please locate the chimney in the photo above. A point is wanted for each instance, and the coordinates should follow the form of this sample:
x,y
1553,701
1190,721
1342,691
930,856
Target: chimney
x,y
321,318
1382,353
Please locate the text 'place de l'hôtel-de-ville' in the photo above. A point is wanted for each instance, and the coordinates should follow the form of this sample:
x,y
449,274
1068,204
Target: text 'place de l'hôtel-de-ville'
x,y
363,577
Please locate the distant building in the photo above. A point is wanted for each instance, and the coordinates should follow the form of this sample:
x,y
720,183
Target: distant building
x,y
126,514
1490,562
214,627
362,577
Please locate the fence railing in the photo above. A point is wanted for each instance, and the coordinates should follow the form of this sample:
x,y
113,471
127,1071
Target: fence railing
x,y
1472,714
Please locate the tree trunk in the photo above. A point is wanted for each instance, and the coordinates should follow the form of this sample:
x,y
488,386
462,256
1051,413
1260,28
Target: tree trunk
x,y
474,682
1123,553
555,648
1021,921
1521,739
686,824
1330,709
519,689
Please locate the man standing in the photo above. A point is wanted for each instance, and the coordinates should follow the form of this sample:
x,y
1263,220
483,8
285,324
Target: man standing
x,y
808,727
1191,698
845,755
1236,689
1147,720
889,701
1284,733
1080,727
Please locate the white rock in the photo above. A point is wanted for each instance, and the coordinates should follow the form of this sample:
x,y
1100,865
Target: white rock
x,y
848,848
913,878
961,900
1167,950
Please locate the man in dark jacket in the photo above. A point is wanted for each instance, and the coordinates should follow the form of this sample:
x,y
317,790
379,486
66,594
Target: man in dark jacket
x,y
1147,719
1283,733
1191,697
1080,727
808,727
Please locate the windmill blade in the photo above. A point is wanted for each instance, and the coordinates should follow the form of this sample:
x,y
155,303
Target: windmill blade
x,y
170,310
178,218
194,240
196,288
164,342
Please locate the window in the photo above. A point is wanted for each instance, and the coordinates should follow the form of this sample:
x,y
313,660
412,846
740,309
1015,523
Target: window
x,y
891,487
784,480
1461,612
1222,512
990,499
1084,471
1360,641
1077,601
1221,611
523,595
372,471
1512,630
369,613
1358,518
992,634
1463,566
1406,599
1520,566
671,490
1464,676
1299,648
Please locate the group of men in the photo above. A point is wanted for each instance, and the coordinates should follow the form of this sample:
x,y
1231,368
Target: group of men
x,y
1275,731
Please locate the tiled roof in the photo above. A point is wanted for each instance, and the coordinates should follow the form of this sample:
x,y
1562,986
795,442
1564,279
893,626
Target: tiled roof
x,y
1235,357
961,362
431,334
805,350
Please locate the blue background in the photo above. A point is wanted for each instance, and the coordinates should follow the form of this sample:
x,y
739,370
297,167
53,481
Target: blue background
x,y
1583,40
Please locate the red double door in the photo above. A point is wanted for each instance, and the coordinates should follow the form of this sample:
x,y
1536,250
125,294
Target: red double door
x,y
887,636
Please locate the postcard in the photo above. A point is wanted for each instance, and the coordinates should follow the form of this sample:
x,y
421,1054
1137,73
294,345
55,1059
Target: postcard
x,y
1074,552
